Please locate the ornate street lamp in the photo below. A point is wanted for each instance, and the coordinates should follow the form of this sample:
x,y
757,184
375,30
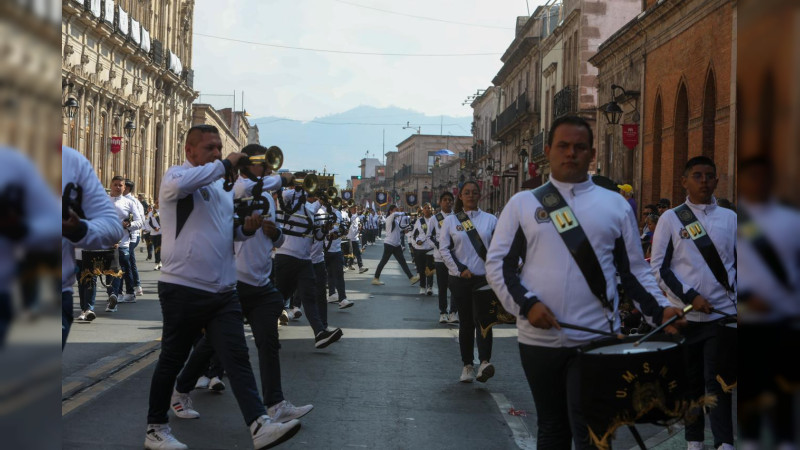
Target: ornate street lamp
x,y
71,107
130,127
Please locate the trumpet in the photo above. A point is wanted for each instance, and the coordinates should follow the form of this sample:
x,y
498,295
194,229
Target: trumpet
x,y
273,158
308,181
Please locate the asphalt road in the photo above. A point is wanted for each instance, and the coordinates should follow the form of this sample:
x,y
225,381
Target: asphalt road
x,y
390,383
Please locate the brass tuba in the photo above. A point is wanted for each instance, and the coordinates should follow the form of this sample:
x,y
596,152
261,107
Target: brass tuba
x,y
332,192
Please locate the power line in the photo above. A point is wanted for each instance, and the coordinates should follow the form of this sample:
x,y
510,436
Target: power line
x,y
289,47
423,17
282,119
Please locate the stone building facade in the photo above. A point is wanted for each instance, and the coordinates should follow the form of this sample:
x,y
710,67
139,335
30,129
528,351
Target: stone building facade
x,y
128,63
232,139
679,87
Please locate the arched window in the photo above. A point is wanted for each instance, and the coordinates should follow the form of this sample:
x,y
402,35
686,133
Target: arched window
x,y
680,152
88,129
658,127
709,114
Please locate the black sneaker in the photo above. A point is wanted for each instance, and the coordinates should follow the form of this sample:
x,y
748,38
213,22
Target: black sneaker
x,y
325,338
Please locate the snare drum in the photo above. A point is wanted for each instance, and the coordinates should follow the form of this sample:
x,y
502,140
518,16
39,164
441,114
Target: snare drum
x,y
726,357
622,384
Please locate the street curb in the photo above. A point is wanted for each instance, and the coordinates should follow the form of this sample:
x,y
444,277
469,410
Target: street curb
x,y
104,368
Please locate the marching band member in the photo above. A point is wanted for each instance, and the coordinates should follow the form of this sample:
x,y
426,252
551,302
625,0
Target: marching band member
x,y
197,287
136,237
334,259
154,223
391,247
464,238
446,203
549,286
294,269
694,258
89,221
422,246
353,233
132,221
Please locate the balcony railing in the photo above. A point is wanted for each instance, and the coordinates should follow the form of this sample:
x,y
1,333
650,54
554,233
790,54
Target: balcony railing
x,y
565,102
537,147
511,114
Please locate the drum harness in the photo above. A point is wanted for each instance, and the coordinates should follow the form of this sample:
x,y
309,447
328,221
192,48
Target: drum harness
x,y
706,247
571,232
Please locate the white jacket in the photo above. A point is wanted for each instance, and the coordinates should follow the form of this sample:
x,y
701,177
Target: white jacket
x,y
680,268
436,231
102,226
254,256
197,228
457,250
125,208
136,233
393,229
296,246
422,232
528,262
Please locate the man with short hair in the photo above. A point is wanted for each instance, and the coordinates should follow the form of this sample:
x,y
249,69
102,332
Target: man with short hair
x,y
550,285
694,257
136,237
197,288
663,205
128,214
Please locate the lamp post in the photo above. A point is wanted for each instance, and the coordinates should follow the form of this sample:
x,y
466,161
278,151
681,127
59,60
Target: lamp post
x,y
612,110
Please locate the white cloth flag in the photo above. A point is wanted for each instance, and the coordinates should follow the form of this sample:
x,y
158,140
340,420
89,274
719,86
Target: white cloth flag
x,y
145,45
136,32
123,21
94,7
108,14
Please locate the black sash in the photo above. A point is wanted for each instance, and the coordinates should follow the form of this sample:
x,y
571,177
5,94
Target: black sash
x,y
440,218
472,234
703,242
567,226
764,248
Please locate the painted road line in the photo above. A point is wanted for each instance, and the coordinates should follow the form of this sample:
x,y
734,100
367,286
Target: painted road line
x,y
92,392
524,439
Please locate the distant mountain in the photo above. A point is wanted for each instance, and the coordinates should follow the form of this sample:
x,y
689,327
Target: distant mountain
x,y
338,142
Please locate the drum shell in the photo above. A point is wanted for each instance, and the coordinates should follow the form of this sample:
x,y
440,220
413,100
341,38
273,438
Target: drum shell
x,y
488,310
105,260
641,387
726,358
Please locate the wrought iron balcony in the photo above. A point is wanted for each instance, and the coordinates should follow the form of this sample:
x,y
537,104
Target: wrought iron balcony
x,y
510,116
565,102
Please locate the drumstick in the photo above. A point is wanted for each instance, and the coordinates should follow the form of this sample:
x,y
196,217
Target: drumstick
x,y
723,314
662,326
589,330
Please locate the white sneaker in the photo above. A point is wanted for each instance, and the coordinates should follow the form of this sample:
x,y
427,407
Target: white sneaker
x,y
82,317
159,436
466,374
181,405
422,291
429,291
333,298
111,306
215,384
295,313
345,304
138,291
377,282
128,298
267,434
284,318
414,280
285,411
695,445
90,315
442,318
727,447
202,382
452,318
485,371
157,267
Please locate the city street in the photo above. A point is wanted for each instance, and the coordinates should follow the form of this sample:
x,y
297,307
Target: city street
x,y
390,383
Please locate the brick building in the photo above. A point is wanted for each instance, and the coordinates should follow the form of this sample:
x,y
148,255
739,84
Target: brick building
x,y
680,87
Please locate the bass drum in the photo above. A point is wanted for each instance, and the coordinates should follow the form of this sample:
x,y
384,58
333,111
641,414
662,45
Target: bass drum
x,y
622,384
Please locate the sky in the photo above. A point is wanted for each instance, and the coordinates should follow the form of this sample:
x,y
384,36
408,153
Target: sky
x,y
304,85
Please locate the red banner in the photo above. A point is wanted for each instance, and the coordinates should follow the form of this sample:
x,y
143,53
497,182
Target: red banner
x,y
480,185
533,169
116,144
630,135
495,180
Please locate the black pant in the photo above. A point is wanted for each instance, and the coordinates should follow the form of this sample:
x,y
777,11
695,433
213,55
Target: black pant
x,y
186,311
388,252
334,264
554,379
357,253
203,361
424,262
321,292
156,238
148,241
442,278
468,329
701,339
295,278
